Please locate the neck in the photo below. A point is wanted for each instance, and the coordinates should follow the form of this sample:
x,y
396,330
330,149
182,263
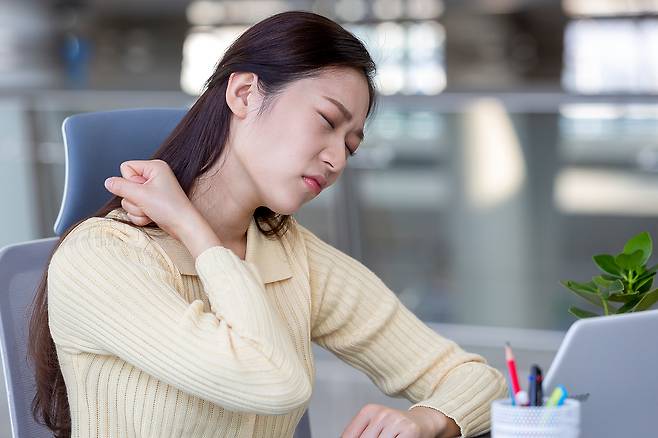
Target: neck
x,y
227,206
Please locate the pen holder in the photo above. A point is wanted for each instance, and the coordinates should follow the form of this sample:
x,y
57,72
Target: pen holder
x,y
509,421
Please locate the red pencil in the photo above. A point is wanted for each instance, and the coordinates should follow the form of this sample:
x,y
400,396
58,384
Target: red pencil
x,y
511,366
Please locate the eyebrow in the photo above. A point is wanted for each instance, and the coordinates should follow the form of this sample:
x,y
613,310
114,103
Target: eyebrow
x,y
346,113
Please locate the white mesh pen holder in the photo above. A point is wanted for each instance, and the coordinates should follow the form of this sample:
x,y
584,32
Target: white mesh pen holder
x,y
509,421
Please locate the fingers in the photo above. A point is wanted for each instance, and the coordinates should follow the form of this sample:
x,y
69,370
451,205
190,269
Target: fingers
x,y
123,187
383,422
143,168
133,168
128,188
132,208
373,430
359,423
135,213
143,185
138,179
139,220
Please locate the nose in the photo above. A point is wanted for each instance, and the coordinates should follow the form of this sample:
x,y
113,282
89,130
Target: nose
x,y
335,156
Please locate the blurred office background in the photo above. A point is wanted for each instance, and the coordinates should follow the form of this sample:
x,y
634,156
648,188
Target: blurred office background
x,y
514,140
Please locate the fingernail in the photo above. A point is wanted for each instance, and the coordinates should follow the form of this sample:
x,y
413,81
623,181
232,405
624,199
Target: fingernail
x,y
108,182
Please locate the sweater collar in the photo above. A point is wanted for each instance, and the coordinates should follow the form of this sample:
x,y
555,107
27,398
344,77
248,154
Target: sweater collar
x,y
267,254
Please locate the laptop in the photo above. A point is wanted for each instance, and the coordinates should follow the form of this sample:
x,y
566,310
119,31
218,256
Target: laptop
x,y
610,364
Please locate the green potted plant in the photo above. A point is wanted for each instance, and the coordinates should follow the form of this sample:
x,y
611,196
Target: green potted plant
x,y
625,284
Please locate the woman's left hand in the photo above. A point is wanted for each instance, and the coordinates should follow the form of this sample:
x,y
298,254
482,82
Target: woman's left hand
x,y
377,421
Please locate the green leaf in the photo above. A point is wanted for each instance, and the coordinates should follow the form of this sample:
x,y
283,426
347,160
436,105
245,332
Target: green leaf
x,y
583,291
628,307
652,268
607,264
616,287
607,287
623,298
646,274
645,284
589,286
601,282
641,242
648,300
645,287
580,313
630,261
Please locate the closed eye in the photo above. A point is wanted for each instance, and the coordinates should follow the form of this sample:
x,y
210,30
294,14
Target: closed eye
x,y
327,120
331,125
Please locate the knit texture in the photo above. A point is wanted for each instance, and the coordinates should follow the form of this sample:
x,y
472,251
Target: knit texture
x,y
154,343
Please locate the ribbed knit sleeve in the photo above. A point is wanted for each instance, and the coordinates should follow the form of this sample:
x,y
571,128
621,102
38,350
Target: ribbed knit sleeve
x,y
358,318
110,291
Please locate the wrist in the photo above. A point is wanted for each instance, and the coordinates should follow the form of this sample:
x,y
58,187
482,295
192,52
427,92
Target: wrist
x,y
428,420
437,424
197,235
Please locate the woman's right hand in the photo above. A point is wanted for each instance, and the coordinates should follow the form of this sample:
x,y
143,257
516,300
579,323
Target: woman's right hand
x,y
151,193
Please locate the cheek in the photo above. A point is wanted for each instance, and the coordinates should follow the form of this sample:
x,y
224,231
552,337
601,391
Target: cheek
x,y
285,152
295,156
298,138
274,167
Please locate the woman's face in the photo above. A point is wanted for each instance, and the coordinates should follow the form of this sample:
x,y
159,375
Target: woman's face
x,y
306,133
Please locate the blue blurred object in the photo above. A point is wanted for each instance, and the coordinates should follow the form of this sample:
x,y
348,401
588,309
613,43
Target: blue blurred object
x,y
77,54
511,391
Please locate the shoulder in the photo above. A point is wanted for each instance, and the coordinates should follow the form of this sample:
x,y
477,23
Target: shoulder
x,y
298,234
102,231
106,237
298,238
313,247
322,256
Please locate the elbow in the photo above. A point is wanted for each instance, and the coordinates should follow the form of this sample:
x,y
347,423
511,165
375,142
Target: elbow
x,y
286,386
274,392
287,396
262,379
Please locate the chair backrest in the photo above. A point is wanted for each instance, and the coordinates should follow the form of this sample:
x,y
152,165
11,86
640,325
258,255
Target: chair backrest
x,y
21,268
95,145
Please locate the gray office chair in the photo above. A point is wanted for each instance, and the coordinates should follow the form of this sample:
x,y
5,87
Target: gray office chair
x,y
21,268
95,145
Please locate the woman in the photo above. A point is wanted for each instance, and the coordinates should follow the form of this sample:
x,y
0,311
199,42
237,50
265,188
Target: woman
x,y
187,305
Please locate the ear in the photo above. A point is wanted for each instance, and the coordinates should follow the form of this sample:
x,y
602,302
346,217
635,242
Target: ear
x,y
240,88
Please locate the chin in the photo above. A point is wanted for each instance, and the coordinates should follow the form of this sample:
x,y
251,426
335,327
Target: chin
x,y
285,206
286,201
286,211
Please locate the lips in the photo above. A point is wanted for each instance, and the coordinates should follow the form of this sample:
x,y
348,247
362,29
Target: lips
x,y
313,184
320,179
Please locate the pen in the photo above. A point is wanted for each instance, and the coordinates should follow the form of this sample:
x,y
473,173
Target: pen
x,y
532,388
556,399
557,396
511,391
511,367
539,379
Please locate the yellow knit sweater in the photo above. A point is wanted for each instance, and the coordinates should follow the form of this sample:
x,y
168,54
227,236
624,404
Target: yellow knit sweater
x,y
154,343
